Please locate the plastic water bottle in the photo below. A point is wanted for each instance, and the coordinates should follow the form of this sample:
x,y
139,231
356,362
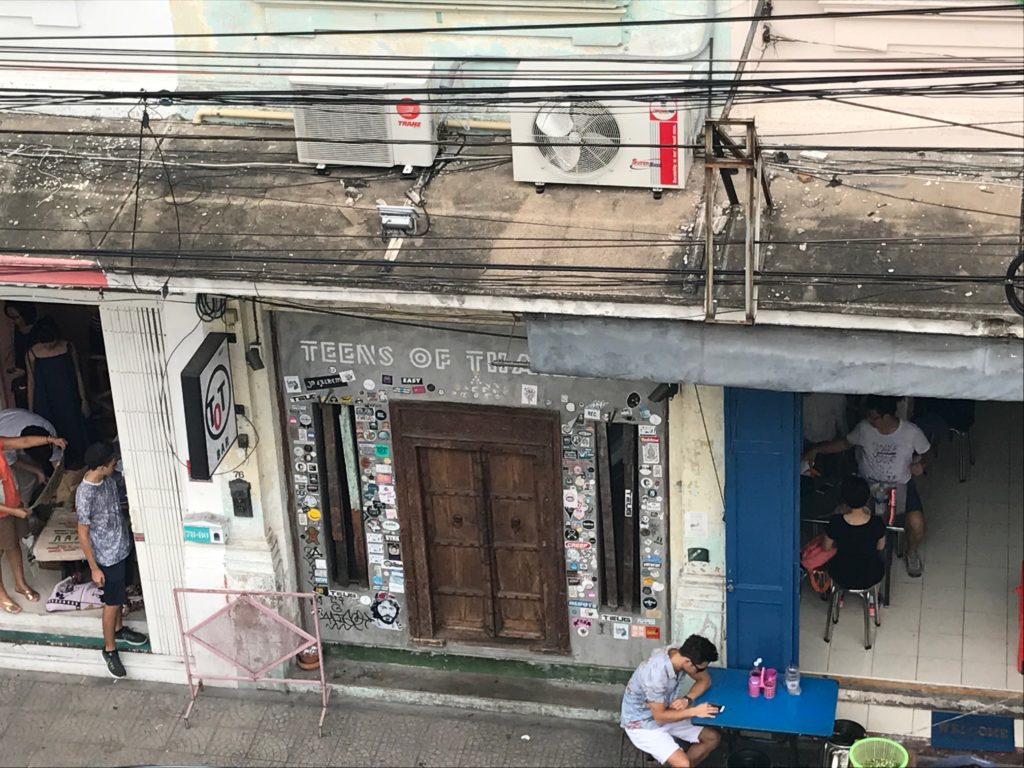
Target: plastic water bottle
x,y
793,680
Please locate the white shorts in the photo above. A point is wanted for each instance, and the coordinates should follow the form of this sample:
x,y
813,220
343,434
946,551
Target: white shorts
x,y
660,742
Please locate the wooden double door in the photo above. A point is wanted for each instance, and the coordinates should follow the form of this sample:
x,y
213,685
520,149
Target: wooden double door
x,y
480,504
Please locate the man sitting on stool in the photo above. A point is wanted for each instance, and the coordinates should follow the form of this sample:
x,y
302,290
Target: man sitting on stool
x,y
654,714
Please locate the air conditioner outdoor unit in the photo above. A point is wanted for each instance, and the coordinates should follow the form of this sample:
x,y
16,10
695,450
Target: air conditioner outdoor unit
x,y
357,133
584,136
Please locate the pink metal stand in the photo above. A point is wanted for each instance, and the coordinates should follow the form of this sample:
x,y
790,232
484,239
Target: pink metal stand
x,y
290,640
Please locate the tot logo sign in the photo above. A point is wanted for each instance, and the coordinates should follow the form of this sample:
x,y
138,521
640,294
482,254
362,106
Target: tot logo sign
x,y
209,406
218,402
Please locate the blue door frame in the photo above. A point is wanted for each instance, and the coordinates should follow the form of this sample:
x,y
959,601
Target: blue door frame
x,y
762,454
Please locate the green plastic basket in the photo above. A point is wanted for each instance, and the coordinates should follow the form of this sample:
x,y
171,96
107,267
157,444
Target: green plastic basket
x,y
878,753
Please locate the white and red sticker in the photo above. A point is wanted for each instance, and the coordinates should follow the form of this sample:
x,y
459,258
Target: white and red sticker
x,y
664,118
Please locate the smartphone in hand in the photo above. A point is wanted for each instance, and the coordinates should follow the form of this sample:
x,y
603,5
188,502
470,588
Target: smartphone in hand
x,y
719,708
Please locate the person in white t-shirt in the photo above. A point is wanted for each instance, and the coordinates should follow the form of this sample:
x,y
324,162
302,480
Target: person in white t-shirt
x,y
890,451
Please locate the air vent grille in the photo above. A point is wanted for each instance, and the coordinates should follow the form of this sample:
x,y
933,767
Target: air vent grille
x,y
342,123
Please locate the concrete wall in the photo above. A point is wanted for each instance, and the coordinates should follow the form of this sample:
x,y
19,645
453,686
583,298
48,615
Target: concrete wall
x,y
668,42
880,40
458,366
85,70
697,483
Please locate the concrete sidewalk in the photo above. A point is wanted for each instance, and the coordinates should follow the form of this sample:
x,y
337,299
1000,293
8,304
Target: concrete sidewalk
x,y
68,720
51,720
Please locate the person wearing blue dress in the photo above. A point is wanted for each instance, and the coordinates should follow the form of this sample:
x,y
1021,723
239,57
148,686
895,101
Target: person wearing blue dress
x,y
55,388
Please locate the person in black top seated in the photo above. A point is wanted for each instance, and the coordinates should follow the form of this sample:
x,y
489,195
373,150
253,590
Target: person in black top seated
x,y
858,536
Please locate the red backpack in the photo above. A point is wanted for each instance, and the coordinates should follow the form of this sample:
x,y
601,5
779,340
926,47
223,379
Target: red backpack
x,y
813,557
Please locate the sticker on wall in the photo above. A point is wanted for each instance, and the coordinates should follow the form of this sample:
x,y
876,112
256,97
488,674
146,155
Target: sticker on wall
x,y
620,631
653,633
529,394
637,631
655,419
385,611
650,453
329,381
633,400
649,603
646,430
313,514
592,414
292,385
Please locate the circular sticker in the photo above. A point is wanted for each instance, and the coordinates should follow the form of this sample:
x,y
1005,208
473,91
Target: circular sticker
x,y
370,434
646,482
313,514
381,415
310,501
633,400
383,435
369,385
365,600
570,407
297,450
579,514
305,419
650,603
655,419
582,631
579,482
300,466
657,586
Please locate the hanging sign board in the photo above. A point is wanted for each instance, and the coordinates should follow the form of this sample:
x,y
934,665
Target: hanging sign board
x,y
209,406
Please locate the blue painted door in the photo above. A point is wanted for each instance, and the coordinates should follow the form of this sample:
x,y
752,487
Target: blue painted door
x,y
762,463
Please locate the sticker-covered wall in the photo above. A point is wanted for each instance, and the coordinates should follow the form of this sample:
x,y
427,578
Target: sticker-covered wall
x,y
342,378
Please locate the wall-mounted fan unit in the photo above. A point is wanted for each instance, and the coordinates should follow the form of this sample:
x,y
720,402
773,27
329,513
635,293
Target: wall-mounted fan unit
x,y
605,133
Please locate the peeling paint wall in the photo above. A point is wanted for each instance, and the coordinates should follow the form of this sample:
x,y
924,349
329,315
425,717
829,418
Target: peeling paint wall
x,y
669,42
71,18
697,531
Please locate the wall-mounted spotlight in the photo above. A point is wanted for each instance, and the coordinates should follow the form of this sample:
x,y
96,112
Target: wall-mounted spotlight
x,y
663,392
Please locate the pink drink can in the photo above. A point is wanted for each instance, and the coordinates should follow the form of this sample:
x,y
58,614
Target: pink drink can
x,y
754,683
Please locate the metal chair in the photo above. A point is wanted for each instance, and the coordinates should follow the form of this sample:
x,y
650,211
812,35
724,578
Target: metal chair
x,y
965,451
871,606
626,748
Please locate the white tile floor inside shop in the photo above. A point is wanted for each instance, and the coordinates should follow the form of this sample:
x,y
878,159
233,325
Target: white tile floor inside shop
x,y
958,623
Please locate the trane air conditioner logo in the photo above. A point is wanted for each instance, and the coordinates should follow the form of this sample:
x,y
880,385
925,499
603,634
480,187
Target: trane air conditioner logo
x,y
408,110
638,164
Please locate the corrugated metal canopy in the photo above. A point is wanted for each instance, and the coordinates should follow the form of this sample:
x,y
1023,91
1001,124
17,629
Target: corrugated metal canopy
x,y
776,358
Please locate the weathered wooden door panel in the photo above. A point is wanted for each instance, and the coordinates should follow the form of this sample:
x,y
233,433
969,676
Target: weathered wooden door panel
x,y
456,538
515,517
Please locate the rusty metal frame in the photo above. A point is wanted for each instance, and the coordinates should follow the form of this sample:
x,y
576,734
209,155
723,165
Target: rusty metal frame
x,y
748,159
233,597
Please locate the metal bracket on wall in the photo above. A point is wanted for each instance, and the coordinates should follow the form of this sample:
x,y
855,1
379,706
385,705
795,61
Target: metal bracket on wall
x,y
746,156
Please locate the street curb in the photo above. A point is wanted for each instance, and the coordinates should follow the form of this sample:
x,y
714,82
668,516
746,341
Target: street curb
x,y
459,701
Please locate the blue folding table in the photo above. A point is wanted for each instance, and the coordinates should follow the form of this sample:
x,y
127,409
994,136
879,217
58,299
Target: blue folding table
x,y
812,713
